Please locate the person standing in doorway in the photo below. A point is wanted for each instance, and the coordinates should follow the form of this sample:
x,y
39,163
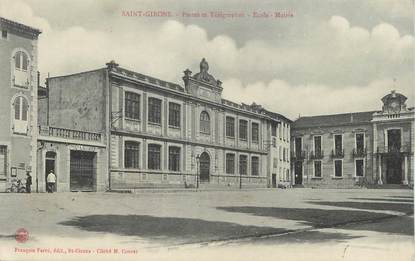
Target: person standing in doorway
x,y
51,180
28,182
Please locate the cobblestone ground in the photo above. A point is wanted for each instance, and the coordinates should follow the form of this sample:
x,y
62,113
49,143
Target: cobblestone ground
x,y
292,224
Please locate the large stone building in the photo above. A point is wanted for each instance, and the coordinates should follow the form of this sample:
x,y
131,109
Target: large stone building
x,y
18,101
160,134
113,128
355,149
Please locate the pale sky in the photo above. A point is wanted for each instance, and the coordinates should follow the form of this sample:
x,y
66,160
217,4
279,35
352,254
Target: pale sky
x,y
330,57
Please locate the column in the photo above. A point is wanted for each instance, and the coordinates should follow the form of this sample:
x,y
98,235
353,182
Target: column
x,y
164,117
144,154
380,182
165,157
249,133
183,113
144,121
405,171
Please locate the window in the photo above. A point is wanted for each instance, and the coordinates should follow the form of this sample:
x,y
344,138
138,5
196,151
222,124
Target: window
x,y
359,168
243,164
255,132
4,34
20,115
154,156
204,122
298,145
280,153
154,110
273,130
317,168
243,129
21,65
230,163
338,144
230,127
360,143
254,166
174,114
317,145
132,105
21,61
3,160
275,162
131,154
283,131
174,158
274,142
338,168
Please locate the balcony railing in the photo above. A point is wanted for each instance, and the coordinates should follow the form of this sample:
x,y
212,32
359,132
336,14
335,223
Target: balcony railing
x,y
395,149
360,152
318,154
69,133
337,154
298,155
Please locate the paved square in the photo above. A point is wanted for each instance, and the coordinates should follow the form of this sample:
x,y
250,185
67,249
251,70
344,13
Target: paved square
x,y
214,219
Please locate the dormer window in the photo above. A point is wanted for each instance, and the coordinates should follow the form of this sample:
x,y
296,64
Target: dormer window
x,y
21,69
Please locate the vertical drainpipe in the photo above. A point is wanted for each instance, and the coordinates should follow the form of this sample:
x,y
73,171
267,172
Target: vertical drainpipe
x,y
47,101
108,123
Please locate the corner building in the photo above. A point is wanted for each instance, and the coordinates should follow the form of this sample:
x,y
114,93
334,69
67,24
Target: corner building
x,y
161,134
362,149
18,101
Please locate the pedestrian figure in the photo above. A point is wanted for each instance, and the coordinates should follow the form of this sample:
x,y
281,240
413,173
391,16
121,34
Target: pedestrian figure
x,y
28,182
51,180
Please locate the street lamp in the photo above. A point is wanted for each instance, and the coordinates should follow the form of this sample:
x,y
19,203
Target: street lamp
x,y
197,170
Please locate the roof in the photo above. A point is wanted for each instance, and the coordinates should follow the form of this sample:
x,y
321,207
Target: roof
x,y
334,119
146,78
19,28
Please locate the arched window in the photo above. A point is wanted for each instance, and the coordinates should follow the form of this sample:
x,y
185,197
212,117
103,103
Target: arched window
x,y
204,122
21,69
21,109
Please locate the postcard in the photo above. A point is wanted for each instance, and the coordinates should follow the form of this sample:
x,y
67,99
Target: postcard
x,y
203,130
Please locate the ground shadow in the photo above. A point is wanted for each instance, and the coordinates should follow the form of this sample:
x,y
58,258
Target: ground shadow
x,y
386,199
172,230
408,197
400,207
312,236
7,236
327,218
168,229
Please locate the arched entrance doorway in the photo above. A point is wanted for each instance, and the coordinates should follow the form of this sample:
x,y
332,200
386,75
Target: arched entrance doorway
x,y
204,167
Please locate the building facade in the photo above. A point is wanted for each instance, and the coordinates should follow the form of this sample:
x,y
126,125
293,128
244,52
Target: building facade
x,y
160,134
355,149
72,145
18,101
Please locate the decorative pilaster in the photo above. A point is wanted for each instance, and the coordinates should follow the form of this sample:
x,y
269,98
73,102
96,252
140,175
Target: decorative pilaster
x,y
380,182
405,171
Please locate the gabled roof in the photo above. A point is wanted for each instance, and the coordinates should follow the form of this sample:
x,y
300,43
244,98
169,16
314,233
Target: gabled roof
x,y
334,119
